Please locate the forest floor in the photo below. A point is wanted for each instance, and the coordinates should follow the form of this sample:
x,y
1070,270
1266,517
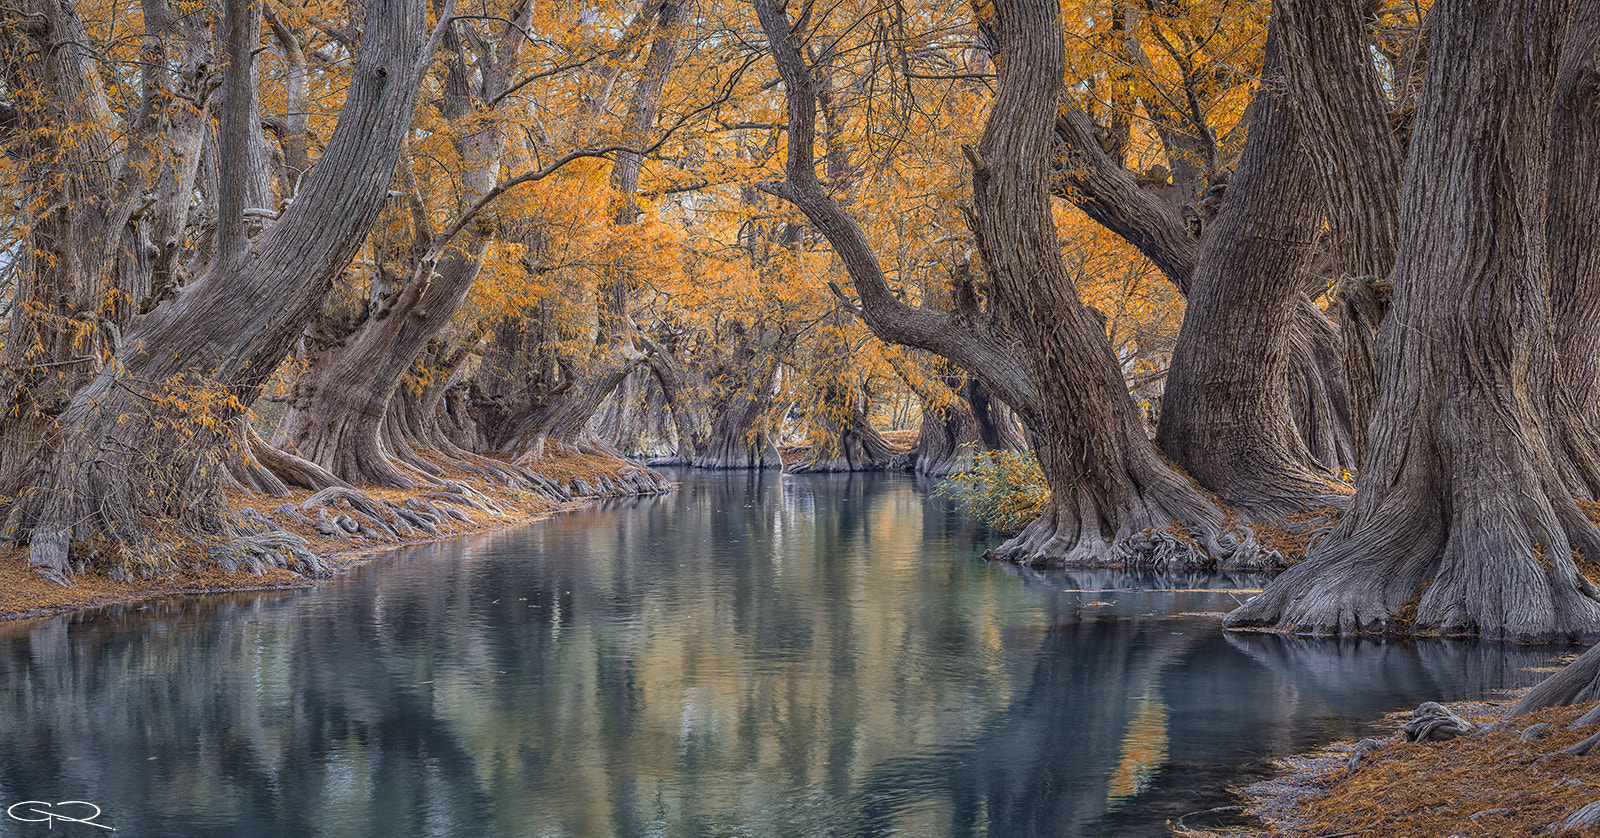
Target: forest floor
x,y
1491,783
24,593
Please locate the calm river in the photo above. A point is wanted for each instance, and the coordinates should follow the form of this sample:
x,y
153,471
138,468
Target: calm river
x,y
749,656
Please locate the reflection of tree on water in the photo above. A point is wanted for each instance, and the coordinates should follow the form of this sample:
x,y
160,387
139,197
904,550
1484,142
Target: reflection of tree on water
x,y
774,656
1364,672
1047,764
1057,760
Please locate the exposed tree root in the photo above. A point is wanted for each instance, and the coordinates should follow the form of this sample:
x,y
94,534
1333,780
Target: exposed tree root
x,y
1492,571
1156,533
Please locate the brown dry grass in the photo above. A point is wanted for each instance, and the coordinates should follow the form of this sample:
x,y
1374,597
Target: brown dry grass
x,y
902,440
1433,789
24,593
1295,535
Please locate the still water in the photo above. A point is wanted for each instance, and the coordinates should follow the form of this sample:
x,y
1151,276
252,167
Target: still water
x,y
749,656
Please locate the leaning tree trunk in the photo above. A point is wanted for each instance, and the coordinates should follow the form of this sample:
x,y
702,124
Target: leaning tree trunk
x,y
1114,500
722,407
140,443
338,409
1226,416
338,406
1461,524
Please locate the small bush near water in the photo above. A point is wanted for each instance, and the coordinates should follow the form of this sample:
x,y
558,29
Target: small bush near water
x,y
1005,490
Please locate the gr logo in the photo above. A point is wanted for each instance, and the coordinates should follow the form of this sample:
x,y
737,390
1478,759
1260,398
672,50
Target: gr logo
x,y
67,811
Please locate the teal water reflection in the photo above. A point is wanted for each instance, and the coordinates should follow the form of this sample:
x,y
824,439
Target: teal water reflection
x,y
749,656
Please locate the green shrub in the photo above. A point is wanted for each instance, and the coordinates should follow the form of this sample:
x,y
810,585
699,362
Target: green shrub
x,y
1005,490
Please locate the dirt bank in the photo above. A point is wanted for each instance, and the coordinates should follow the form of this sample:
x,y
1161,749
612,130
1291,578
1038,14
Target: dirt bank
x,y
1492,783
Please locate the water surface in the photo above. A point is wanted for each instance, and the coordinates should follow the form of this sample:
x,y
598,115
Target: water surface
x,y
749,656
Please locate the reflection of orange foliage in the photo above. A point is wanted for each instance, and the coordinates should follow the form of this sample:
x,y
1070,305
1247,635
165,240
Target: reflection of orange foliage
x,y
1144,750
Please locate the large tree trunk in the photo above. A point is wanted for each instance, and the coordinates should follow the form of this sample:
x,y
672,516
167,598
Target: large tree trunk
x,y
338,410
1461,524
139,444
1114,500
1175,228
338,406
743,388
722,396
1105,478
1574,246
1226,415
1338,95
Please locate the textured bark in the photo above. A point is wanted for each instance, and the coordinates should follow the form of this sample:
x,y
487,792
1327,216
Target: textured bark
x,y
951,437
133,447
1573,232
1460,523
1176,227
720,389
1340,99
1227,416
743,387
109,195
1114,500
337,415
337,406
1576,683
637,420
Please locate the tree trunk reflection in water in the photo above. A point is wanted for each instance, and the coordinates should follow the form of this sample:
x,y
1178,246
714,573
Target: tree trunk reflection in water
x,y
771,655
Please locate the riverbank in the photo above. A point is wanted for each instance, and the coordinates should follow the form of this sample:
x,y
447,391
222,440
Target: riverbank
x,y
1500,780
24,593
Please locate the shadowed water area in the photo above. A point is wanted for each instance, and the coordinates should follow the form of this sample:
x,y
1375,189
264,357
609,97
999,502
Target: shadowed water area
x,y
749,656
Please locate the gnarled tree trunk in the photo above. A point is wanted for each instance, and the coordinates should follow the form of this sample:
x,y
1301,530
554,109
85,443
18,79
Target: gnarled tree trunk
x,y
1573,233
140,443
1460,523
1339,99
1114,500
1226,416
850,442
952,436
